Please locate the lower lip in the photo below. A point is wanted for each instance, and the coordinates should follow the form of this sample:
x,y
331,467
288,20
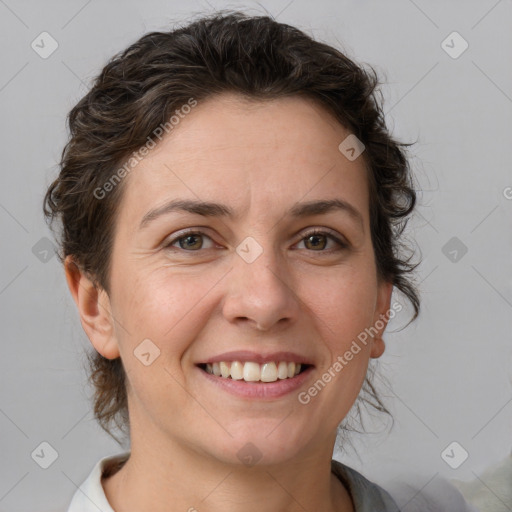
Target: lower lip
x,y
259,390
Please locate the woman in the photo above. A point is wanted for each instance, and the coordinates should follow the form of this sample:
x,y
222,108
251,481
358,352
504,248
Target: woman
x,y
231,204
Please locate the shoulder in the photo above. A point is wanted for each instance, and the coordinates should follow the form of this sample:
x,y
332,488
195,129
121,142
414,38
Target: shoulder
x,y
492,490
366,495
90,496
429,494
437,495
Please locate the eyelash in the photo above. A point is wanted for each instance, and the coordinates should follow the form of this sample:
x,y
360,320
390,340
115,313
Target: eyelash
x,y
314,232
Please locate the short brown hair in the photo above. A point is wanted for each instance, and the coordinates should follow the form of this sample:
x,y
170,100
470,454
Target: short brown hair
x,y
142,86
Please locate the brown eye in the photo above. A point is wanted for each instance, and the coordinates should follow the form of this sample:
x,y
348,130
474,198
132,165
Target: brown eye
x,y
191,242
316,241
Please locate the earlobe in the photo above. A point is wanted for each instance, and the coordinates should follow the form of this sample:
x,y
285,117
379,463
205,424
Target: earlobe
x,y
94,309
381,318
378,347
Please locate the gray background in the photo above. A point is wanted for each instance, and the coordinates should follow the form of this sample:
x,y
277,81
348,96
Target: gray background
x,y
450,370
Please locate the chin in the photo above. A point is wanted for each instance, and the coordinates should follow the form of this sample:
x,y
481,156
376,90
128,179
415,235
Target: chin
x,y
262,444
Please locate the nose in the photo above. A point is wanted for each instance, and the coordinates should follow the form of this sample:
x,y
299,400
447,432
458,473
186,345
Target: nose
x,y
260,293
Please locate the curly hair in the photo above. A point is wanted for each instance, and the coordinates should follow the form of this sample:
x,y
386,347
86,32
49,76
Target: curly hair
x,y
141,87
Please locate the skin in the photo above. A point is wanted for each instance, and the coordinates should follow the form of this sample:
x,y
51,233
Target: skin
x,y
260,159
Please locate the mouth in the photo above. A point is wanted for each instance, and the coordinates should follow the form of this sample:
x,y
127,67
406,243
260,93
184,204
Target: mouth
x,y
257,375
251,371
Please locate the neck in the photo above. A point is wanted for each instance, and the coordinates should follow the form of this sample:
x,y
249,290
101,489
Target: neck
x,y
164,472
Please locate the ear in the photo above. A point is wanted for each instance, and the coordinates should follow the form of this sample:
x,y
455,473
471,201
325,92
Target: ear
x,y
381,317
94,308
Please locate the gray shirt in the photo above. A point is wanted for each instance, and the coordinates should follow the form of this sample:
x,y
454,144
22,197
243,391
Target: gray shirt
x,y
367,496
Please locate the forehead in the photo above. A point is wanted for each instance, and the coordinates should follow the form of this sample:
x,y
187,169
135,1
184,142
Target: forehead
x,y
248,153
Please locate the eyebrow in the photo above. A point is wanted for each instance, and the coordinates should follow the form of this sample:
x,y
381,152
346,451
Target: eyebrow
x,y
211,209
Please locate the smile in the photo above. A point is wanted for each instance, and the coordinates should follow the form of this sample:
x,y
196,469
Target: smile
x,y
251,371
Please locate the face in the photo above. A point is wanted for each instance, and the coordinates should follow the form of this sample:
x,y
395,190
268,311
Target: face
x,y
277,269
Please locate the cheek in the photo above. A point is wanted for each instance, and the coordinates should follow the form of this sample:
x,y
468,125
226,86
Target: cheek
x,y
343,302
168,310
164,307
341,309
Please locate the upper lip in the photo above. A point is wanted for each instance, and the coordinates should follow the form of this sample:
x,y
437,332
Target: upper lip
x,y
257,357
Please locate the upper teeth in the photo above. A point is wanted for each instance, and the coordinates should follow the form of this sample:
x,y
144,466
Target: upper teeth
x,y
253,372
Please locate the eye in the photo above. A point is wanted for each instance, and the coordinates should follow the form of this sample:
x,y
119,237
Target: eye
x,y
317,241
190,241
